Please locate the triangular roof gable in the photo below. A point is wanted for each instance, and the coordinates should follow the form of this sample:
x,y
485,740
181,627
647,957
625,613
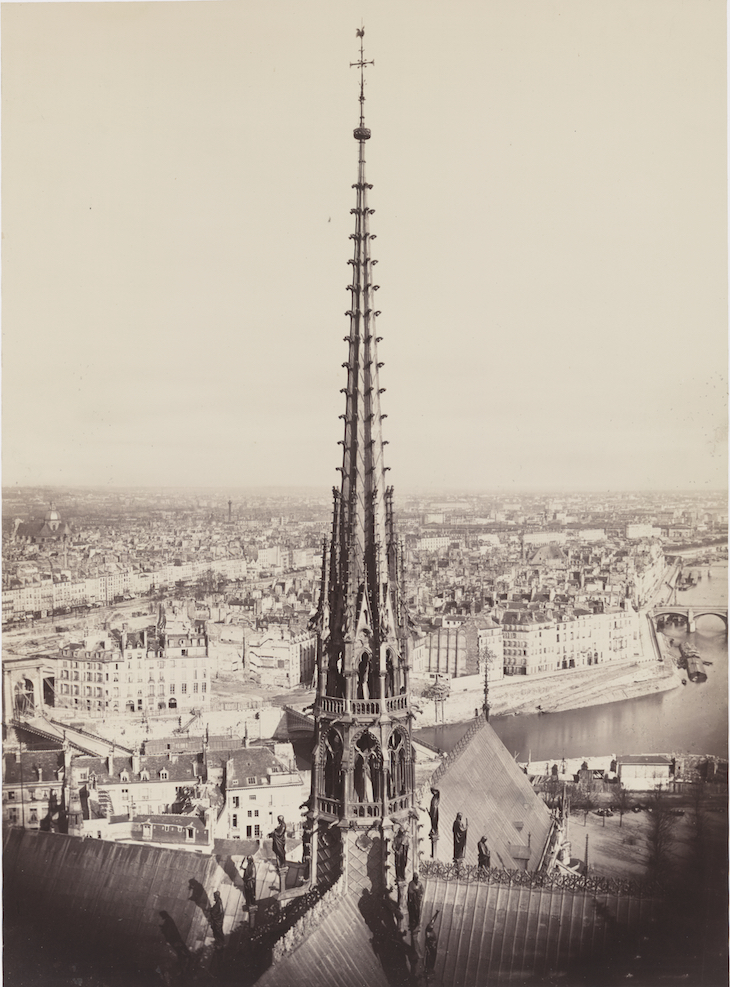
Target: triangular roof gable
x,y
486,785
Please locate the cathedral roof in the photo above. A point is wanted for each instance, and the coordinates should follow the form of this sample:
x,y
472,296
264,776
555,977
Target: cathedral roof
x,y
338,952
495,933
483,782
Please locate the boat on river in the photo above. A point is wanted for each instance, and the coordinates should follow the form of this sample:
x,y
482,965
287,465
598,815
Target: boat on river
x,y
691,660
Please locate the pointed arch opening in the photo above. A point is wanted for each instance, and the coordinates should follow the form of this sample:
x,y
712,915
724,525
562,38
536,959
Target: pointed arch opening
x,y
330,775
365,688
399,763
368,768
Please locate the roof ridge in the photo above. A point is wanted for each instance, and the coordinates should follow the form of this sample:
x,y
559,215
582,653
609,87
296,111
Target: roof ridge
x,y
457,750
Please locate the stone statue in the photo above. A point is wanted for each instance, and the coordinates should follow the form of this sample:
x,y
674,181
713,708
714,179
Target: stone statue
x,y
215,916
432,945
400,849
434,811
279,842
249,882
415,903
483,855
460,827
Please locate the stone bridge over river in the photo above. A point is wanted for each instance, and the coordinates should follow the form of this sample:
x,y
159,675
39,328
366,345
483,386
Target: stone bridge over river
x,y
690,614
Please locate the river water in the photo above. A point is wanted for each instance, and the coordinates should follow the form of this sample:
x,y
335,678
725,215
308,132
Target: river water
x,y
691,719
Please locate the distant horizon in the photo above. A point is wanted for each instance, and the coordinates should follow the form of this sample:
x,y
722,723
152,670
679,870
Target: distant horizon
x,y
326,491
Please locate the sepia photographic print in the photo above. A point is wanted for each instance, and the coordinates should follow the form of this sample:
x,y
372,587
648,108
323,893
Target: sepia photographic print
x,y
364,493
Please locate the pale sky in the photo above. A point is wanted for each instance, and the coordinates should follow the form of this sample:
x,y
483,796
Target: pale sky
x,y
550,194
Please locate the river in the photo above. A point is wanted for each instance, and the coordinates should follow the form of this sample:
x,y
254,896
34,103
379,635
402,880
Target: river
x,y
691,719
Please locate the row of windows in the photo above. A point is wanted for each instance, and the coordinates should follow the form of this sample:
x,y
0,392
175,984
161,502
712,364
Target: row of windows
x,y
256,827
130,657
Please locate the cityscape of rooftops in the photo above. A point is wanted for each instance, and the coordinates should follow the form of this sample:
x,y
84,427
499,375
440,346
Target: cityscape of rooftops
x,y
341,646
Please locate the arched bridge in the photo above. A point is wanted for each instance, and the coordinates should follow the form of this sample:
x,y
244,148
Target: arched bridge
x,y
690,614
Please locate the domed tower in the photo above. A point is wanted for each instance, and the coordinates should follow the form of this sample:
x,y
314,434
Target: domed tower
x,y
362,823
52,518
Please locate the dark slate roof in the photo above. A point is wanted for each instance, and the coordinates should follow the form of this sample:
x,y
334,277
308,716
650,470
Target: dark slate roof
x,y
499,934
47,761
482,781
251,762
180,770
67,884
338,953
41,529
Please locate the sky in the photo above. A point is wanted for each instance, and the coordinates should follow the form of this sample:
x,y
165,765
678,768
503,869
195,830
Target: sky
x,y
549,180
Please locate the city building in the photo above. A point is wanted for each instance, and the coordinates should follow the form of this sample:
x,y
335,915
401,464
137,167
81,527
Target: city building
x,y
34,789
281,658
644,772
140,785
260,787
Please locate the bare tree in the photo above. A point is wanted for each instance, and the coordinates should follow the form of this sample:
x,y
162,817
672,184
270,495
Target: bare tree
x,y
660,837
583,800
623,802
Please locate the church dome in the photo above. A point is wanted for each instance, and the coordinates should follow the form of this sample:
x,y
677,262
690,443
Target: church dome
x,y
52,515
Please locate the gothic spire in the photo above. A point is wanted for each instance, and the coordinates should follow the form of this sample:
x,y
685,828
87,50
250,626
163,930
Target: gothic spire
x,y
363,764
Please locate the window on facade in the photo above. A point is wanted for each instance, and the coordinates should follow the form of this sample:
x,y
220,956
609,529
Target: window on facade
x,y
191,834
236,801
248,832
257,831
234,821
184,687
195,686
251,781
203,687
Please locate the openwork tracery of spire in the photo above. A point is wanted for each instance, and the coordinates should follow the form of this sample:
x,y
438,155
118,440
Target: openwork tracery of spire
x,y
361,617
363,765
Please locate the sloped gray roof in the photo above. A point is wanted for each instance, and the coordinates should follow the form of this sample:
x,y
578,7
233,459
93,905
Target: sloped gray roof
x,y
337,953
499,934
482,781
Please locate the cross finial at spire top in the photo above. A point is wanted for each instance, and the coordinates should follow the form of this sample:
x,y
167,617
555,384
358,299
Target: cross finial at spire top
x,y
361,63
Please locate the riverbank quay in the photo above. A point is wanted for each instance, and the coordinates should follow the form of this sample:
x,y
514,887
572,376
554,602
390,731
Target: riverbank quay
x,y
555,692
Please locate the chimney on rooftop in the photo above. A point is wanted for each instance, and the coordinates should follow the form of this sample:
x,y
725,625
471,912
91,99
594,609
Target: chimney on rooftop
x,y
110,761
136,761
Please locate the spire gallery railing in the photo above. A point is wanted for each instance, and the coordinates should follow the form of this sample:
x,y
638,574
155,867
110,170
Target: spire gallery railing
x,y
362,707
